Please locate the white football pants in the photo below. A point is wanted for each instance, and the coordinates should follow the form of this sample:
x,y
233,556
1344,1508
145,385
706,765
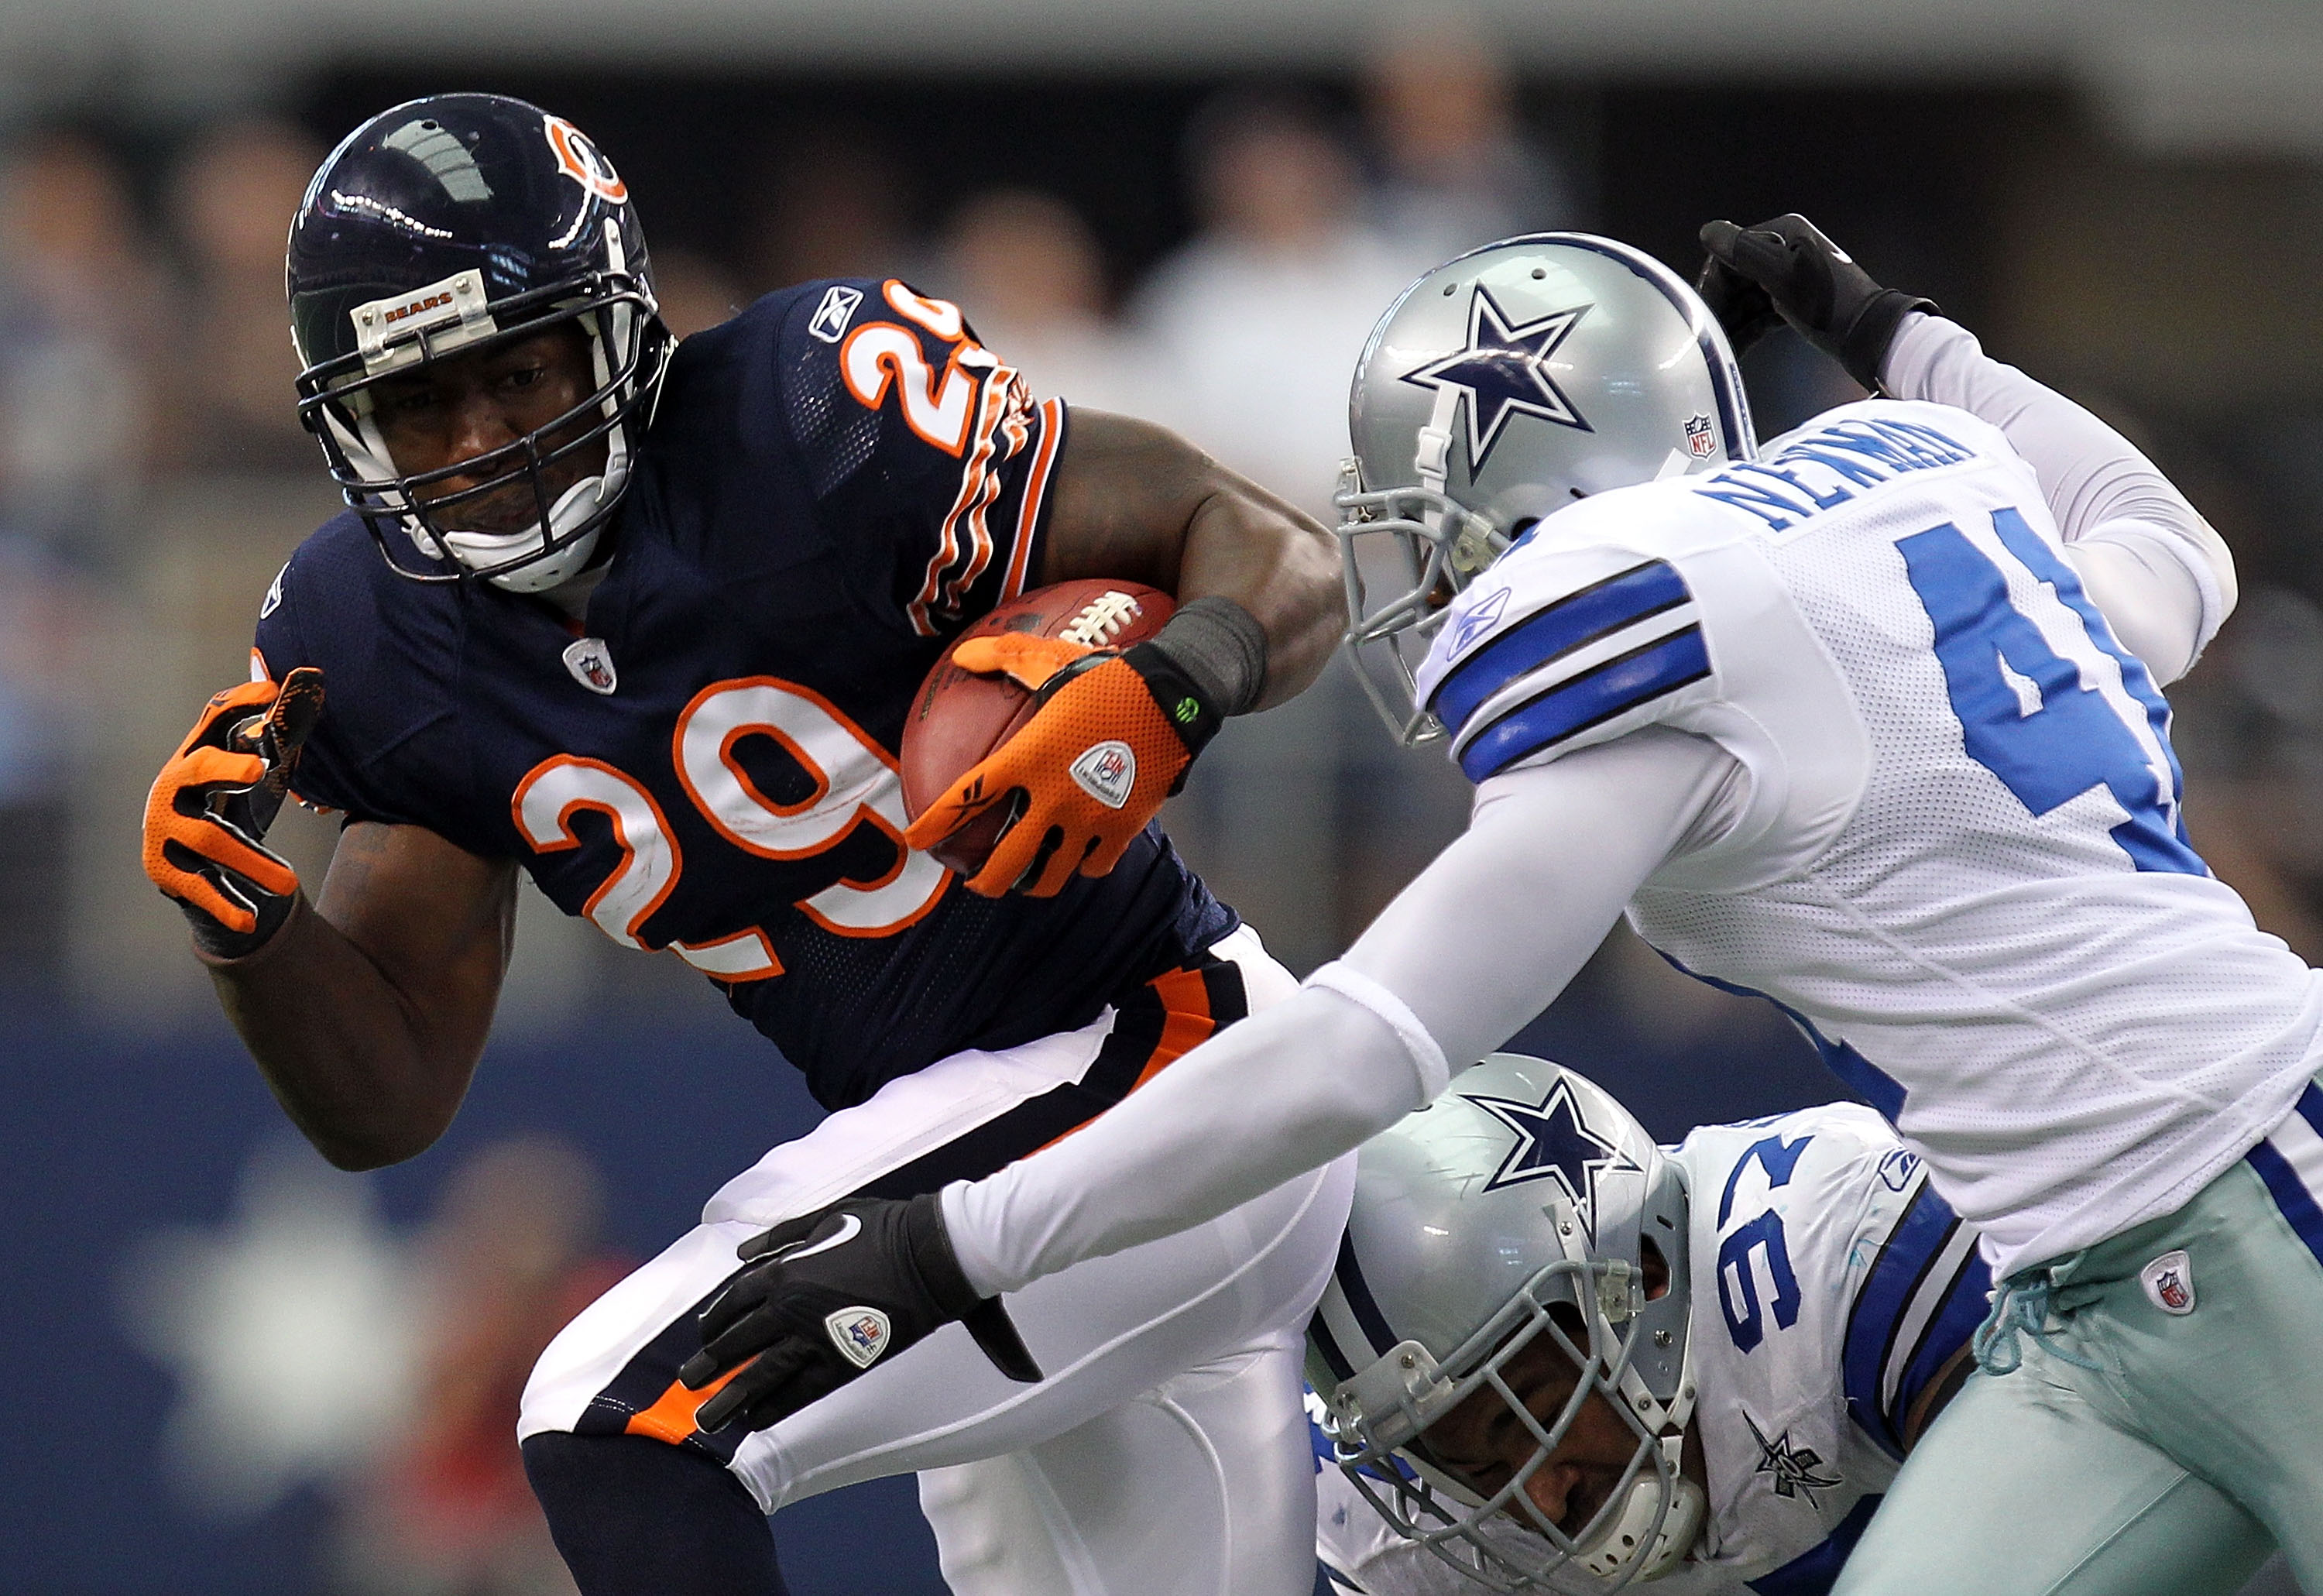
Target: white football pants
x,y
1166,1450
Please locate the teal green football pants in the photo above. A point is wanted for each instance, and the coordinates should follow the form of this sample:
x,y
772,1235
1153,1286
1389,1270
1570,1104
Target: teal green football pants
x,y
2163,1430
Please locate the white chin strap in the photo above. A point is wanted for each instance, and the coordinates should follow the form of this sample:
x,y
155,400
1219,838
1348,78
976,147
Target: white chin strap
x,y
367,450
1681,1526
481,551
1682,1521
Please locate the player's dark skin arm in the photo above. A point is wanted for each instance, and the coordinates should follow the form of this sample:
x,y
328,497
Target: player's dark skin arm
x,y
1138,503
368,1011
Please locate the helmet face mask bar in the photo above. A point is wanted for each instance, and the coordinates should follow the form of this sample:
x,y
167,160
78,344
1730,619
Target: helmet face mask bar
x,y
453,226
336,403
1374,1430
1426,1312
1433,548
1497,390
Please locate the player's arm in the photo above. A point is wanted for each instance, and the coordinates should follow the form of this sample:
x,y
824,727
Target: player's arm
x,y
366,1014
1479,943
1470,951
1137,501
2164,579
368,1010
1259,609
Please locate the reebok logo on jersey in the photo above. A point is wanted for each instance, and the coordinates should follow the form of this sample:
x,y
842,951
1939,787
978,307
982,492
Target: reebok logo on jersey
x,y
1106,773
1482,618
2168,1283
830,317
860,1334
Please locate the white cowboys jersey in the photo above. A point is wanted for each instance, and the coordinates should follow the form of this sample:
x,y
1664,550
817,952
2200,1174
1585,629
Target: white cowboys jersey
x,y
1832,1286
1957,859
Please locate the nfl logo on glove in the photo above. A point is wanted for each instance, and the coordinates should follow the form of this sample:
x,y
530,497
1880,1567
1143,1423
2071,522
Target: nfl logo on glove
x,y
860,1334
1106,773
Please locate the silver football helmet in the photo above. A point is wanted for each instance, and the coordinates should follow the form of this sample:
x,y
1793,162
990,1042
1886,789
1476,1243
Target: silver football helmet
x,y
1502,386
1522,1205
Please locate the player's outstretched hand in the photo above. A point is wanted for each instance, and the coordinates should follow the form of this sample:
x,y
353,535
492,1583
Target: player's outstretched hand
x,y
207,816
1111,736
830,1295
1812,282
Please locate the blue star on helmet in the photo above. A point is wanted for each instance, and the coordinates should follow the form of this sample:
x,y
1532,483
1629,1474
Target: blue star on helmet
x,y
1503,370
1554,1143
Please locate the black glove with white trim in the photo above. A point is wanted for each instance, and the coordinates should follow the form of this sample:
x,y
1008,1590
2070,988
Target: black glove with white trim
x,y
830,1295
1786,266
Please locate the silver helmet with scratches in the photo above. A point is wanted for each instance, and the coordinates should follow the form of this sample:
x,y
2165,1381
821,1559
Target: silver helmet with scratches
x,y
1525,1205
1498,389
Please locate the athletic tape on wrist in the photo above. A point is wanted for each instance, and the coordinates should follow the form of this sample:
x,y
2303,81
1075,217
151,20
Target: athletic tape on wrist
x,y
1221,648
1430,1066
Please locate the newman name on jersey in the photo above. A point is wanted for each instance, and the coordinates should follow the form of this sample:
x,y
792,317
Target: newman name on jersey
x,y
1959,792
837,481
1830,1287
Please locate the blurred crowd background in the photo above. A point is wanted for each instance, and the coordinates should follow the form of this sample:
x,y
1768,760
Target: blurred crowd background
x,y
235,1371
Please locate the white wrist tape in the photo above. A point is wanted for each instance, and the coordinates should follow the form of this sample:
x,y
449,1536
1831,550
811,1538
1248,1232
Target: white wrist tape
x,y
1428,1064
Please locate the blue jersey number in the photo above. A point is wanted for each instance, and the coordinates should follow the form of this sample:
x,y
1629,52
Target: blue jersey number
x,y
1737,1282
2026,715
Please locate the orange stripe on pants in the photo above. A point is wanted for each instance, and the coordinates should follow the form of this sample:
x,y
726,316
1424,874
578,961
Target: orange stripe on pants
x,y
1186,1001
670,1418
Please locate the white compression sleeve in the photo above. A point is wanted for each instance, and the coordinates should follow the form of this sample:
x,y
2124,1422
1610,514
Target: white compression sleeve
x,y
2164,579
1475,947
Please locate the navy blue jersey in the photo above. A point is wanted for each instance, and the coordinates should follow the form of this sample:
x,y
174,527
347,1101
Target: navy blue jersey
x,y
837,481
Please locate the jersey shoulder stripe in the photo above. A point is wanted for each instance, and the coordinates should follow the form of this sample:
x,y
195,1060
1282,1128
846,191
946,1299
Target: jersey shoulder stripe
x,y
1921,1298
1559,647
1554,630
1626,683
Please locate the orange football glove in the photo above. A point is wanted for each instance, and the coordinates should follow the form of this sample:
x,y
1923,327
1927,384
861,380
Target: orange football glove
x,y
1111,736
210,807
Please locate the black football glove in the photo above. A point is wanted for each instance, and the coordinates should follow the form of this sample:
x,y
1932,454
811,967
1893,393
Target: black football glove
x,y
207,816
834,1294
1790,268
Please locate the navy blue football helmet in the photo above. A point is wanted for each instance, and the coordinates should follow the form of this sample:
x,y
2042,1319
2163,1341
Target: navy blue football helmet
x,y
447,223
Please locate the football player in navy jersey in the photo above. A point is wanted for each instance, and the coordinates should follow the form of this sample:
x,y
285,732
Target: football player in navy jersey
x,y
644,623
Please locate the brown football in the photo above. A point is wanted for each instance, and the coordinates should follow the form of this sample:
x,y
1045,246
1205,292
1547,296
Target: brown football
x,y
958,717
